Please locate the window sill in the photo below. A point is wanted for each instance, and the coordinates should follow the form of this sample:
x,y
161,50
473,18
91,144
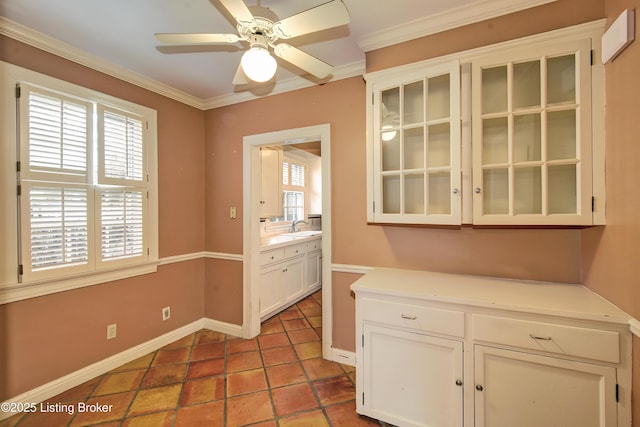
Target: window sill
x,y
26,290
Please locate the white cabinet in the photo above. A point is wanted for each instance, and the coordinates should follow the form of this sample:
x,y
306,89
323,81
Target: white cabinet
x,y
288,273
438,349
517,140
271,183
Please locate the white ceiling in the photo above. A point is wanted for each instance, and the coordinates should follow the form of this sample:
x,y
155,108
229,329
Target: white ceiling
x,y
121,33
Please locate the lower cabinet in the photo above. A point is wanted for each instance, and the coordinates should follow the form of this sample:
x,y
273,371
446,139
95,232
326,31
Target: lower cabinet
x,y
451,350
398,387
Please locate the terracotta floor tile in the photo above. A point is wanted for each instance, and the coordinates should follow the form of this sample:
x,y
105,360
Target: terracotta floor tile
x,y
205,368
176,355
155,399
119,382
102,408
244,361
334,390
157,419
202,390
307,419
249,408
303,335
281,375
307,303
273,340
313,311
293,398
77,393
207,351
208,414
344,414
271,423
183,342
292,312
12,421
308,350
279,355
271,326
241,345
246,382
164,375
295,324
315,321
321,368
140,363
39,419
206,336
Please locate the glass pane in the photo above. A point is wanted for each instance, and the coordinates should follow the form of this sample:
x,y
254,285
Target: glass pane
x,y
438,97
561,79
495,199
414,194
561,135
563,195
391,153
391,194
440,193
526,84
494,90
413,103
528,191
414,148
439,151
390,114
526,138
495,141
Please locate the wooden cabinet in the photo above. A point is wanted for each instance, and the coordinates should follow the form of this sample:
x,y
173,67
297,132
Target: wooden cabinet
x,y
271,183
517,140
438,349
288,273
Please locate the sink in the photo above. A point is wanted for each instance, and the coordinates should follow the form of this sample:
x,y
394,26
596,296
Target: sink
x,y
307,233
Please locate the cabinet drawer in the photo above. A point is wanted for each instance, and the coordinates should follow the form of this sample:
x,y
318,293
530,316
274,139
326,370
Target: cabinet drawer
x,y
435,320
269,257
294,250
569,340
314,245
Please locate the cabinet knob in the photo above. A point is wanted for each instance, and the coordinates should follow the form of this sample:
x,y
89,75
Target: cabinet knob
x,y
479,387
477,190
456,191
459,383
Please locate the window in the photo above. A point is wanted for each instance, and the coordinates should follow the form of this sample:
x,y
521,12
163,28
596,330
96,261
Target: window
x,y
293,194
87,183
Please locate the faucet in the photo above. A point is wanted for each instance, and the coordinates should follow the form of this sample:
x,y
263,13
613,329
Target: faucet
x,y
292,229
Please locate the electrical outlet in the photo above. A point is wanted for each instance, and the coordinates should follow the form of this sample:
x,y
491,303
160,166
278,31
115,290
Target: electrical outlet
x,y
166,313
112,331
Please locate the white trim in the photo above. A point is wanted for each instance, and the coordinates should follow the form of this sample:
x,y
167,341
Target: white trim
x,y
343,356
347,268
221,255
181,258
432,24
634,327
57,386
223,327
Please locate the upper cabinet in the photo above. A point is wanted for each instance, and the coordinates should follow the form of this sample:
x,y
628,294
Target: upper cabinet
x,y
509,134
271,190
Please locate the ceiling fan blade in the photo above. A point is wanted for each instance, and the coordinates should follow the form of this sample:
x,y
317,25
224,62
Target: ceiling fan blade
x,y
238,10
303,60
240,77
196,38
328,15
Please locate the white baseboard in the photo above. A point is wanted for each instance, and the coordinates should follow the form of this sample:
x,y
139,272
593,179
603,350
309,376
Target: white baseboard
x,y
225,328
343,356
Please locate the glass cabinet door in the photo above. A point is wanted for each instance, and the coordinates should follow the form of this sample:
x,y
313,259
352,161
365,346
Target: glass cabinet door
x,y
416,148
531,137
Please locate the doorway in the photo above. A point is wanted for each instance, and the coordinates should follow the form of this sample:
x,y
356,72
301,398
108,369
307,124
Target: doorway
x,y
251,223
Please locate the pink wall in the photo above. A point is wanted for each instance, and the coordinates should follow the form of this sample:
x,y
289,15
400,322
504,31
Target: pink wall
x,y
42,339
611,254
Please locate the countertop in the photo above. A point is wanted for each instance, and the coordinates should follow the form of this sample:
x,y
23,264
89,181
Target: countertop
x,y
286,239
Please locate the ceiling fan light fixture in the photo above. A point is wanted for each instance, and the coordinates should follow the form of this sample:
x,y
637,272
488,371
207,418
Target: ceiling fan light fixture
x,y
258,64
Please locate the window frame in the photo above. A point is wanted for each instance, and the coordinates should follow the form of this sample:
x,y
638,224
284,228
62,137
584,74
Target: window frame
x,y
13,214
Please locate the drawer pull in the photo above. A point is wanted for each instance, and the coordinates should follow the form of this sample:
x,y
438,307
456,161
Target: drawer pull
x,y
408,316
535,337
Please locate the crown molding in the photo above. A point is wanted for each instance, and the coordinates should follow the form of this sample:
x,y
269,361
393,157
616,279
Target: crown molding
x,y
43,42
294,83
468,14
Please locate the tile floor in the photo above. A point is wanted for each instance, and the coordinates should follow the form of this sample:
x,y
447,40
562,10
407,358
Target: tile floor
x,y
211,379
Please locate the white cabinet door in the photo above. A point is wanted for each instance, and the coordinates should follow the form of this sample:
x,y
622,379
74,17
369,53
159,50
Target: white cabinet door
x,y
314,270
271,290
526,390
271,173
411,379
293,279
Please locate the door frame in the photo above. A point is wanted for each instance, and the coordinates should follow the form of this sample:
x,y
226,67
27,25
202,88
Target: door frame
x,y
251,223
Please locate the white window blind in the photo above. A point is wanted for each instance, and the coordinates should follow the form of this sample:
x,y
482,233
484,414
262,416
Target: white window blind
x,y
293,174
122,146
122,233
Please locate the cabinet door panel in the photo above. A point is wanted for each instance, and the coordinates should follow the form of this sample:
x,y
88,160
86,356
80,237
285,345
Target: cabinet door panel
x,y
410,379
527,390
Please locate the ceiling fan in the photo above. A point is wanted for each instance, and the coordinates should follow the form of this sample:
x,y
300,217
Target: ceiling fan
x,y
261,28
